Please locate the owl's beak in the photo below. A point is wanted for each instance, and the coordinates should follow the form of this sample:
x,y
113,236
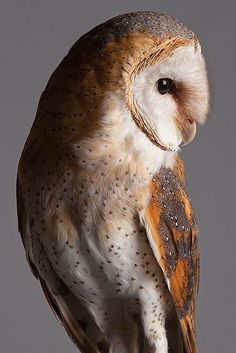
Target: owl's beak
x,y
188,132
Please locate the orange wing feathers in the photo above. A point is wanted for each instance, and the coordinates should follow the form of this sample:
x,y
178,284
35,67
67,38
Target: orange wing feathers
x,y
173,237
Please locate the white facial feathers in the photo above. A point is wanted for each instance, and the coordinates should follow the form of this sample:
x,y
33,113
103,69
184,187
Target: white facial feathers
x,y
159,112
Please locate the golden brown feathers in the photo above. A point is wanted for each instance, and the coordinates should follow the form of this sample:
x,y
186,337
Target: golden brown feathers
x,y
173,233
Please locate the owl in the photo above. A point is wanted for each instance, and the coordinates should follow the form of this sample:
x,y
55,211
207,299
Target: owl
x,y
103,213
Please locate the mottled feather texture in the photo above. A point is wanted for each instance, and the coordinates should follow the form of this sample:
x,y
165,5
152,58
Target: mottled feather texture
x,y
174,241
103,213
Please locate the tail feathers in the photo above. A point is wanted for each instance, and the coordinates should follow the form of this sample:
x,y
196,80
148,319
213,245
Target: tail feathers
x,y
189,334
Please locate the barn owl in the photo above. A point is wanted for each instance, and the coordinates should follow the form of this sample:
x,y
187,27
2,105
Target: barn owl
x,y
105,220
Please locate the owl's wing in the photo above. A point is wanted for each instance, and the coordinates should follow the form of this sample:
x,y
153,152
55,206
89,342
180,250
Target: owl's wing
x,y
66,307
172,232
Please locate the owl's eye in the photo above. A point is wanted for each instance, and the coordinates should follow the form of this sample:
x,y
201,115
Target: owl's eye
x,y
164,85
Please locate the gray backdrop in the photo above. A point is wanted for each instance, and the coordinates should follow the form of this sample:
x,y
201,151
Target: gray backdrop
x,y
35,36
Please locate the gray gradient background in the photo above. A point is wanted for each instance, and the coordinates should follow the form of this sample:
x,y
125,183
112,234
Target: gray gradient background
x,y
35,36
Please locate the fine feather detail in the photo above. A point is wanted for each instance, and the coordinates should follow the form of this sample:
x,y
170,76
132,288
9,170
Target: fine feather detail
x,y
173,238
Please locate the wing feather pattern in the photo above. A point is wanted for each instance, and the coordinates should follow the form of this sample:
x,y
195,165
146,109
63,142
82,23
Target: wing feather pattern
x,y
63,303
172,232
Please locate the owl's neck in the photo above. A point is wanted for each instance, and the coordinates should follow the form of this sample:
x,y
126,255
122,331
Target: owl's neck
x,y
120,151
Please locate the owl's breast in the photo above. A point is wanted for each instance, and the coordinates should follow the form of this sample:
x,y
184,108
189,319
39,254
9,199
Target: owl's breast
x,y
112,258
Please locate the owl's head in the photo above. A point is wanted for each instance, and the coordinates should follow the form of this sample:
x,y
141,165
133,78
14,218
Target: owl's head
x,y
155,63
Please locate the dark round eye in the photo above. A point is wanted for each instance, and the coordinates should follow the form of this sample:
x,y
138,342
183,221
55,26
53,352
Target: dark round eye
x,y
164,85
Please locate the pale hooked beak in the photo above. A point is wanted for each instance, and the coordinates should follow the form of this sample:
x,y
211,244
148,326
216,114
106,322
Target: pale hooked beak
x,y
188,132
